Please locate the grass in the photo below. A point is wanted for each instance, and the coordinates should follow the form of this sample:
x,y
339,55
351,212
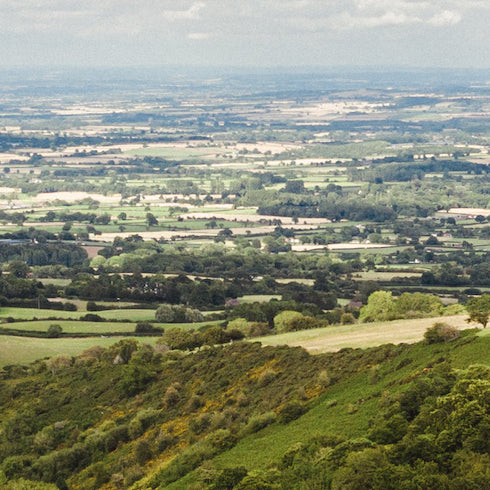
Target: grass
x,y
15,350
171,153
71,326
331,339
260,298
30,313
132,315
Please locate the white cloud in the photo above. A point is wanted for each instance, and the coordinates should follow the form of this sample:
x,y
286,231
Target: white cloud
x,y
199,36
190,13
445,18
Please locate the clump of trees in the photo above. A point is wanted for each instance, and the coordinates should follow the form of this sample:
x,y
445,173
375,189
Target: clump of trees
x,y
177,314
382,306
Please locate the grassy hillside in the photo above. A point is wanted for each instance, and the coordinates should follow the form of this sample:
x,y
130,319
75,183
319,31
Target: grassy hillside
x,y
245,416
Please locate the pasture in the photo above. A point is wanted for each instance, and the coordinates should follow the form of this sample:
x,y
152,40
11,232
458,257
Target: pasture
x,y
24,350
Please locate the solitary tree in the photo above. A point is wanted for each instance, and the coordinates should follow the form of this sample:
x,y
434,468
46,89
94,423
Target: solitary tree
x,y
151,220
479,309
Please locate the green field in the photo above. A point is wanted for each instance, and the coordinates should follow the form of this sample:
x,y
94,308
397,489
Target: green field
x,y
30,313
22,350
132,315
72,326
172,153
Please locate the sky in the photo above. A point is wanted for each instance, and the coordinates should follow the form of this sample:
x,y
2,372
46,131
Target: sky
x,y
245,33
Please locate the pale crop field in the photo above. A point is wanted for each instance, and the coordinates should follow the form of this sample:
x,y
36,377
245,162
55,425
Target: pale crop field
x,y
363,335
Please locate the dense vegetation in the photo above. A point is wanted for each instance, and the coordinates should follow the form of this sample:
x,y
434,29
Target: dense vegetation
x,y
122,414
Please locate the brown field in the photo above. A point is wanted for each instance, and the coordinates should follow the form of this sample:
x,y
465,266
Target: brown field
x,y
470,211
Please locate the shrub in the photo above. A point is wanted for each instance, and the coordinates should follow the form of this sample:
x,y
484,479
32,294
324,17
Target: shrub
x,y
164,314
164,441
380,307
282,321
92,306
257,329
441,332
304,323
347,319
291,411
178,338
266,376
200,423
229,478
142,421
172,395
146,327
259,422
221,439
189,459
195,402
58,363
177,314
54,331
92,317
240,324
324,379
142,451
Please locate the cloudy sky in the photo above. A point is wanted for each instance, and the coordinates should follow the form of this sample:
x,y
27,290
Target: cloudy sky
x,y
421,33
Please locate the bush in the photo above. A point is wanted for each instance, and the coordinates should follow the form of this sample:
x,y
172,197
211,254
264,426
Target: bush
x,y
347,319
142,451
172,395
304,323
146,327
177,314
164,314
92,317
240,324
441,332
282,321
259,422
93,306
177,338
229,478
142,421
58,363
291,411
199,424
54,331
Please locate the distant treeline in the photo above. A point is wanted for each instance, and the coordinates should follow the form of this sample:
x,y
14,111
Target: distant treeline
x,y
43,254
403,171
335,210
